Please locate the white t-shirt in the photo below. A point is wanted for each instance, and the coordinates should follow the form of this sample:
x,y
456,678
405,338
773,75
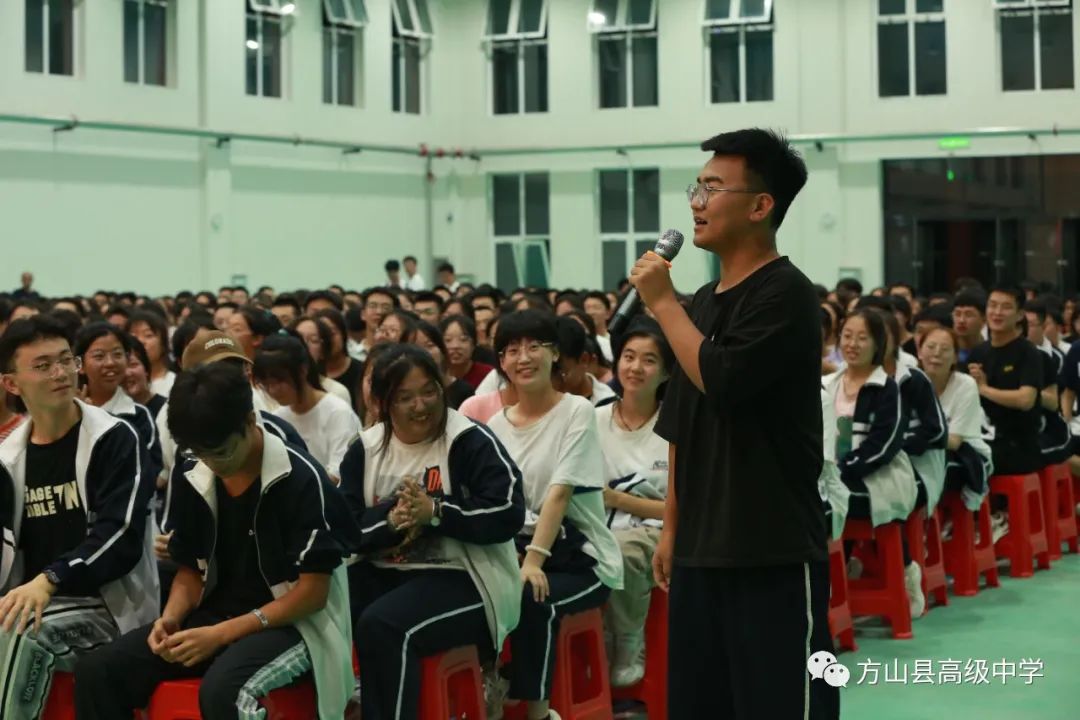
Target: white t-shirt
x,y
416,283
494,381
600,391
635,462
163,385
604,341
563,448
964,412
327,429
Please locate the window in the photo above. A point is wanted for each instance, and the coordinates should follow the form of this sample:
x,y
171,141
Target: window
x,y
145,41
1036,44
50,36
343,21
521,226
625,52
911,47
264,47
516,33
629,219
411,29
740,39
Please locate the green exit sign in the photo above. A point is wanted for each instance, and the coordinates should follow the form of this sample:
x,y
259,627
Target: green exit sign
x,y
954,143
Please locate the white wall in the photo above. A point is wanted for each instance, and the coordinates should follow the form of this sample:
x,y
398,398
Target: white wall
x,y
301,216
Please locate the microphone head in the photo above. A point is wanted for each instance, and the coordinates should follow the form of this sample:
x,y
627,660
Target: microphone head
x,y
669,244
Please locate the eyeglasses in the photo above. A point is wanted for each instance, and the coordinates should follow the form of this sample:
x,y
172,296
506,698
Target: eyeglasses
x,y
65,363
427,396
219,454
100,356
699,194
380,307
532,349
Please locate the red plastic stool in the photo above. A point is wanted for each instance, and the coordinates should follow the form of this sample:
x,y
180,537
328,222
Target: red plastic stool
x,y
1025,542
652,689
840,625
924,543
1048,479
179,700
60,705
581,688
1068,528
883,595
452,686
966,559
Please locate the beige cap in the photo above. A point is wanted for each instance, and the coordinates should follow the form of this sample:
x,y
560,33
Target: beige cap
x,y
210,346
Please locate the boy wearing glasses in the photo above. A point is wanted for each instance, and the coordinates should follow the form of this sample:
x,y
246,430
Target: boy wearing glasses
x,y
75,563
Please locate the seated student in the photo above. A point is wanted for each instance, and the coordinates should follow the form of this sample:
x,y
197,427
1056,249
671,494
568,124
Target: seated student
x,y
103,352
1009,372
337,363
931,318
249,326
1054,327
903,313
75,564
636,472
835,495
318,337
430,339
286,309
574,358
137,379
598,307
428,306
439,504
968,459
570,558
927,431
152,331
459,335
397,327
1055,439
377,303
369,407
326,423
969,322
885,305
261,596
871,423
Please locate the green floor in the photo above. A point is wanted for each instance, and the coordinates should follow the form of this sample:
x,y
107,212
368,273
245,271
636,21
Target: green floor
x,y
1036,618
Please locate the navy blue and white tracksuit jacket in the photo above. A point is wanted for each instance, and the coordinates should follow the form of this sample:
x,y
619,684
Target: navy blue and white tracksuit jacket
x,y
927,434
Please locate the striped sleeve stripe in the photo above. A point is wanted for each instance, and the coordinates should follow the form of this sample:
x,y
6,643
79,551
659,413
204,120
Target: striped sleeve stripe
x,y
509,471
127,515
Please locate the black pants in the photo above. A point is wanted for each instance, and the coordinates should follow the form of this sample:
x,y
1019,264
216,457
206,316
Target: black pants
x,y
532,644
120,677
740,639
401,616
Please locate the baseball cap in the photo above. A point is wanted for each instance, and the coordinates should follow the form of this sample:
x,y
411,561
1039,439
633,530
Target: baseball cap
x,y
210,346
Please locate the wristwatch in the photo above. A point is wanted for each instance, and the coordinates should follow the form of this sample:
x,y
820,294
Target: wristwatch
x,y
436,512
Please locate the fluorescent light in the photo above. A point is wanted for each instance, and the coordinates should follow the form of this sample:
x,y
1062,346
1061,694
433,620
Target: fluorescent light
x,y
288,8
597,18
252,44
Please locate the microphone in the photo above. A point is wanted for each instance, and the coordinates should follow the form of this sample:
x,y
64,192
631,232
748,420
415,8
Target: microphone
x,y
667,247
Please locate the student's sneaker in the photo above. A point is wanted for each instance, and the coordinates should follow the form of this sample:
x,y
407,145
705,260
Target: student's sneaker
x,y
854,568
628,665
552,715
999,524
496,688
913,585
946,531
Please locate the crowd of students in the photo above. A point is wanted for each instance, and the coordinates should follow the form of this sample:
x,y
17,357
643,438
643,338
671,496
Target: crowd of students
x,y
244,488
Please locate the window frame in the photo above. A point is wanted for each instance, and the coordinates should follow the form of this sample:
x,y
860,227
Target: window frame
x,y
522,91
350,21
46,68
416,31
735,18
262,17
1036,9
523,241
621,25
632,236
404,41
274,7
629,37
911,18
140,35
331,31
741,29
513,22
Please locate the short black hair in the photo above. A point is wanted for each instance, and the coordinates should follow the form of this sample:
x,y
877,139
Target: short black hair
x,y
70,320
571,297
157,324
901,305
531,324
873,301
287,299
771,162
208,405
284,356
907,286
326,295
186,331
467,308
572,337
428,296
1017,294
973,298
262,323
408,258
77,302
26,331
392,266
434,336
354,320
118,310
446,267
139,351
850,285
380,291
96,330
465,323
1038,307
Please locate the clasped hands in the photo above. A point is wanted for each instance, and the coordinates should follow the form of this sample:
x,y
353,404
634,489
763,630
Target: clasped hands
x,y
414,507
187,647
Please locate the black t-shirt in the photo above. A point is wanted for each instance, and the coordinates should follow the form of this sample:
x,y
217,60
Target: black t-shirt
x,y
1010,367
486,356
909,347
54,519
749,449
458,392
154,405
240,585
351,379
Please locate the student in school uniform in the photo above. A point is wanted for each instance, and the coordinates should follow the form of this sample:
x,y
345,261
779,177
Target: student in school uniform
x,y
318,338
152,331
969,322
571,560
1055,440
103,351
459,335
871,422
636,473
249,326
327,424
438,502
969,462
261,596
337,363
137,379
430,339
75,562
